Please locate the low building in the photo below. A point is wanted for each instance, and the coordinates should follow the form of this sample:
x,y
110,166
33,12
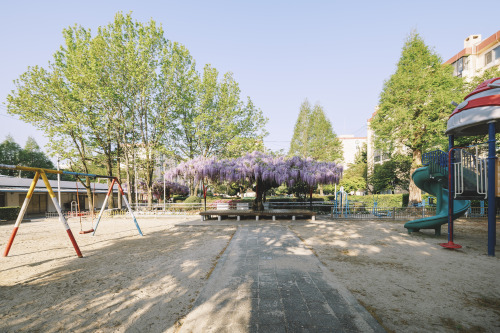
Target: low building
x,y
13,191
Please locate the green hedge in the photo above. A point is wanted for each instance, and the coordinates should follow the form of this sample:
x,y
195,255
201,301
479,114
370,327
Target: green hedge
x,y
193,199
383,200
293,199
9,213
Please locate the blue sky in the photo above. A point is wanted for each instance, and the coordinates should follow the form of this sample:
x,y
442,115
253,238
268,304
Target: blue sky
x,y
336,53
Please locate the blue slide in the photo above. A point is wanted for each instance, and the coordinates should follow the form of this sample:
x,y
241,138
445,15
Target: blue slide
x,y
433,184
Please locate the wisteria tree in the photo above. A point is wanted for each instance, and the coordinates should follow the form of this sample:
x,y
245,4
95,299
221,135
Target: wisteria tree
x,y
262,170
168,188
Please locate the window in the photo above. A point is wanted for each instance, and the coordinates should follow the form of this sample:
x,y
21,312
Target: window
x,y
497,52
488,57
460,65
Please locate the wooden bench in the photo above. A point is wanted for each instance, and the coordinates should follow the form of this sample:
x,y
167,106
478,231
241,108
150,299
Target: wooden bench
x,y
266,213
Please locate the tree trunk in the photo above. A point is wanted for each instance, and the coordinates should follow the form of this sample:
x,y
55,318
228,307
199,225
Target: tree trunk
x,y
109,169
415,193
90,197
129,178
257,203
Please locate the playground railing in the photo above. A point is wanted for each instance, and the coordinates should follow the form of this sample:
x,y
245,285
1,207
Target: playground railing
x,y
437,160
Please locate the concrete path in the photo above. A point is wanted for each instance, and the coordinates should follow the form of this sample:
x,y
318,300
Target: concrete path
x,y
268,281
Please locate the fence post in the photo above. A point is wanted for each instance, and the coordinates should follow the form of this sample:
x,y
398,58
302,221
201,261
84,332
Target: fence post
x,y
393,213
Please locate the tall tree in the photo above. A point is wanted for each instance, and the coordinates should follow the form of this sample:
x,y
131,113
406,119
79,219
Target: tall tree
x,y
214,120
313,135
415,103
102,95
300,139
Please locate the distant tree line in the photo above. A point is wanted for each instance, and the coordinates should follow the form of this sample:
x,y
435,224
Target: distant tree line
x,y
31,155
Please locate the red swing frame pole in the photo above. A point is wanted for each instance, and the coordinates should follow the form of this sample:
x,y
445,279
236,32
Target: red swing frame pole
x,y
61,215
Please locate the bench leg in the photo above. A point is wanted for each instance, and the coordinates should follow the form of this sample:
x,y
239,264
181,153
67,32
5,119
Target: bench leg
x,y
237,218
219,217
293,218
203,218
314,218
274,218
256,217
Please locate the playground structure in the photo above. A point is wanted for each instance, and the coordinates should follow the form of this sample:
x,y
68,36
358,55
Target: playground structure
x,y
341,204
458,176
40,172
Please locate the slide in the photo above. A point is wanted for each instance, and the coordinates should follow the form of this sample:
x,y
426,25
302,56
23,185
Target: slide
x,y
434,185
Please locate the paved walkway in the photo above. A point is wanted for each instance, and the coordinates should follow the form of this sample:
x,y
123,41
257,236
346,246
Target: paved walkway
x,y
268,281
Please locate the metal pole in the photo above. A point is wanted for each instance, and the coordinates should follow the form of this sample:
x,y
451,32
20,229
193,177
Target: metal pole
x,y
164,186
110,191
491,189
61,215
135,181
58,182
451,187
128,207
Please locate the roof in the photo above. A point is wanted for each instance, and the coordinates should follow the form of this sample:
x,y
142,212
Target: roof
x,y
477,49
479,108
15,184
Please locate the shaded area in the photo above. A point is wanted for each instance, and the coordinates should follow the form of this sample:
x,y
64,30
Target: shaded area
x,y
409,282
124,283
267,281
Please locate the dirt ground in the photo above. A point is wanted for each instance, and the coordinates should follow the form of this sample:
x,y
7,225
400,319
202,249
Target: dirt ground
x,y
124,283
409,282
129,283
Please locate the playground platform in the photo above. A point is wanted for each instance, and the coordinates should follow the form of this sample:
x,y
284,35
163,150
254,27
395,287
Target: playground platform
x,y
273,213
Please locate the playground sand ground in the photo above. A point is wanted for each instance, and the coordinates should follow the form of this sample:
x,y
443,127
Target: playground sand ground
x,y
128,283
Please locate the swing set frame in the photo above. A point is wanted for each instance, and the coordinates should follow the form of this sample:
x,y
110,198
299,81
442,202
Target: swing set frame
x,y
40,172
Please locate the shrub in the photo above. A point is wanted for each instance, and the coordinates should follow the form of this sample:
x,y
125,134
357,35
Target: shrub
x,y
9,213
178,198
193,199
405,199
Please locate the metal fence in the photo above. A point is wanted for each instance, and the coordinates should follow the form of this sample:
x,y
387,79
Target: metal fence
x,y
402,213
321,208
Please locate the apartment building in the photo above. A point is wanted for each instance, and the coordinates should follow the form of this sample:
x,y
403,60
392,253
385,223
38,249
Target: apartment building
x,y
351,145
476,56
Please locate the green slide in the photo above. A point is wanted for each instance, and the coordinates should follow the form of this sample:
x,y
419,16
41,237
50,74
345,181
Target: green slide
x,y
433,183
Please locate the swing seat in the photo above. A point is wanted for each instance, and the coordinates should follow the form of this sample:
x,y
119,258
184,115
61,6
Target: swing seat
x,y
86,231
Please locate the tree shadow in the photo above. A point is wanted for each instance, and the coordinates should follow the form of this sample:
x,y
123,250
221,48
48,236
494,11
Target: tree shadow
x,y
127,284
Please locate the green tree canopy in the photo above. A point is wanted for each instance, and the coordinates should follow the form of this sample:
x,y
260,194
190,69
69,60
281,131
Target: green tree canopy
x,y
415,104
355,176
391,175
31,155
127,94
313,135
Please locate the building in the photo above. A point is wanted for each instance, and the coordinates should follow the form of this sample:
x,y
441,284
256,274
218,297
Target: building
x,y
13,191
476,56
351,145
